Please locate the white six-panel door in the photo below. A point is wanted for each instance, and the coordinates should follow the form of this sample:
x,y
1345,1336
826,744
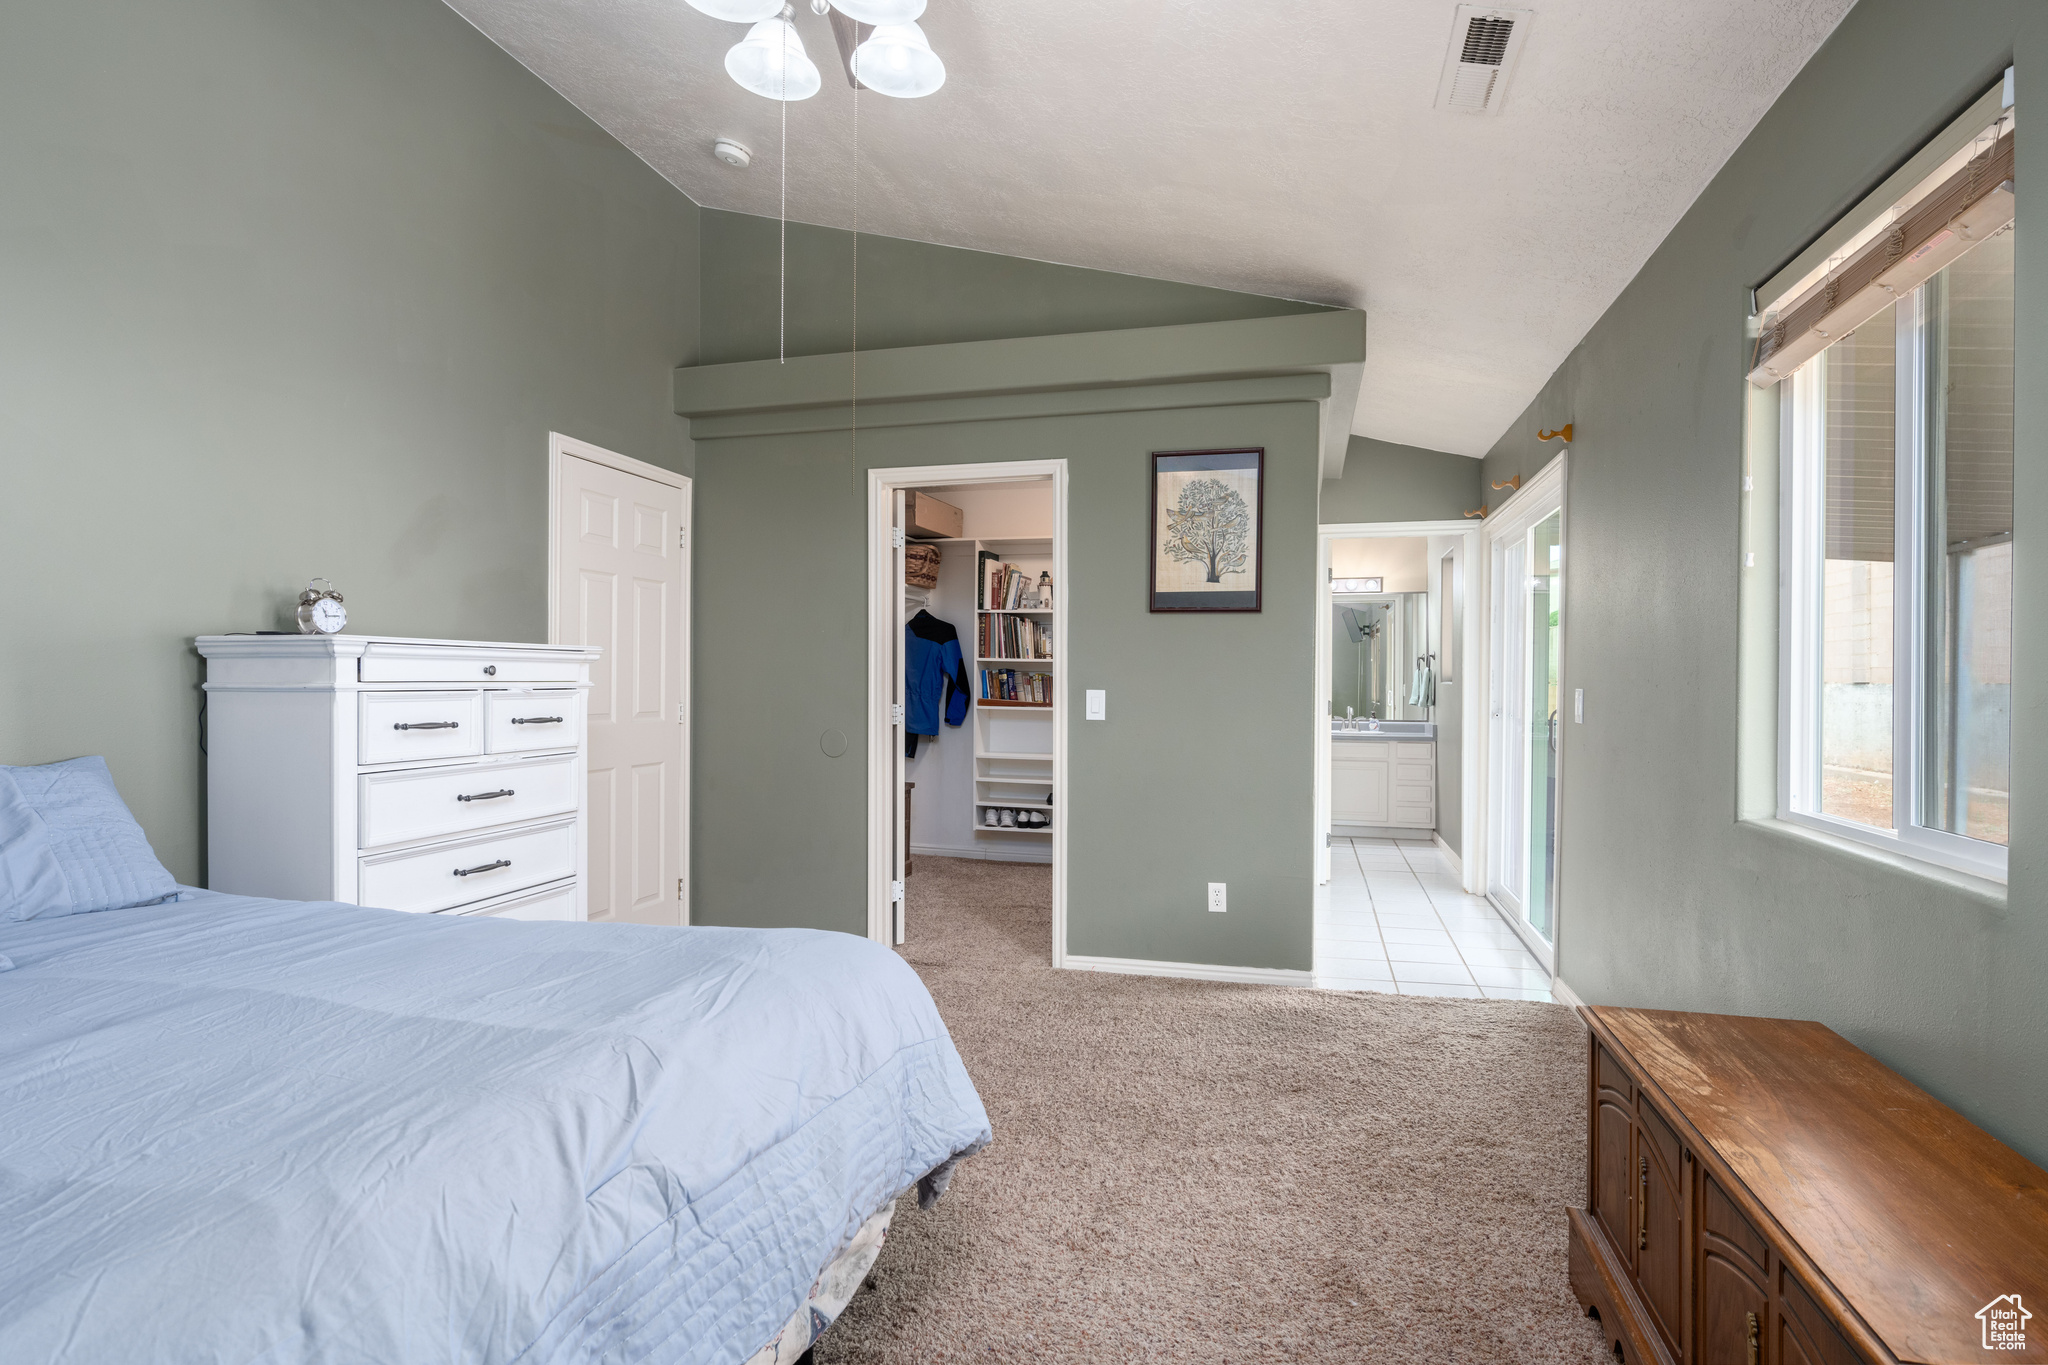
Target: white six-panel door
x,y
621,582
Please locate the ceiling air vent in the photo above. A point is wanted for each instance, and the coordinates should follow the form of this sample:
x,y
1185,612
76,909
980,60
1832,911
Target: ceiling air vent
x,y
1484,45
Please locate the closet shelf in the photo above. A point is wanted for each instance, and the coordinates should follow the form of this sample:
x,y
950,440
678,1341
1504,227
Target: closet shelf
x,y
998,829
1015,611
997,659
1016,705
1035,758
1016,805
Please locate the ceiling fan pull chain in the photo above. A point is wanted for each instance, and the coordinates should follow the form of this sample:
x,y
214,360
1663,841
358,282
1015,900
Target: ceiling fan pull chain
x,y
854,357
782,298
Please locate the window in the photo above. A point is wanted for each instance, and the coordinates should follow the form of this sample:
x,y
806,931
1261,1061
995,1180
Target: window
x,y
1898,526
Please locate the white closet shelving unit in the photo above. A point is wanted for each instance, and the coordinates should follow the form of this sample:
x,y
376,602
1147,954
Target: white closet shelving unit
x,y
1013,750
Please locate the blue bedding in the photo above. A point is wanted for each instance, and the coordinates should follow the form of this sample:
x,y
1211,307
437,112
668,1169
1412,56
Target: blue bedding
x,y
243,1131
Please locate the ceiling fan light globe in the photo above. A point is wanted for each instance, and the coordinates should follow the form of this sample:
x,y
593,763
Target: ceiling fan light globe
x,y
757,62
738,11
897,60
879,12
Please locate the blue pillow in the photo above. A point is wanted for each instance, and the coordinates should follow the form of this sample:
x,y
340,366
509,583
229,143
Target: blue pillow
x,y
68,846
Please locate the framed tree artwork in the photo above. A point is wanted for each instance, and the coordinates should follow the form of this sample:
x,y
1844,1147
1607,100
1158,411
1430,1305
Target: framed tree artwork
x,y
1208,529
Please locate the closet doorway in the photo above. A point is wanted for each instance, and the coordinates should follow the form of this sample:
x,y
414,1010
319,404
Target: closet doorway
x,y
967,665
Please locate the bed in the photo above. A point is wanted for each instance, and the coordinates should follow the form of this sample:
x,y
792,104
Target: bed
x,y
279,1131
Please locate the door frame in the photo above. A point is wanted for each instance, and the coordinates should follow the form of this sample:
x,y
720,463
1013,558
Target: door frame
x,y
558,446
1515,511
881,736
1469,545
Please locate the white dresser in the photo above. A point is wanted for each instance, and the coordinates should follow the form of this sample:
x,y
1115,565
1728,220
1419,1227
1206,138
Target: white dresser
x,y
428,775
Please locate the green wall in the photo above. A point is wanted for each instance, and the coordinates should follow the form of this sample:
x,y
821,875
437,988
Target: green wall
x,y
1388,482
1200,773
914,294
292,288
1667,898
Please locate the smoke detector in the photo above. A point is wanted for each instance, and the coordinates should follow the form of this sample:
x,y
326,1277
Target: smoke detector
x,y
732,153
1484,45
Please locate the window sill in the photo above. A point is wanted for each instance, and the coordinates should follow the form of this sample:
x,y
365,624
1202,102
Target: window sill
x,y
1986,889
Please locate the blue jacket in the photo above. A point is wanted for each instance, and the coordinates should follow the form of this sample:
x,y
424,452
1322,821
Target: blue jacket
x,y
932,667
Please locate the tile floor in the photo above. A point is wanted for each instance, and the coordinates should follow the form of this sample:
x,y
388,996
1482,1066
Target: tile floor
x,y
1394,918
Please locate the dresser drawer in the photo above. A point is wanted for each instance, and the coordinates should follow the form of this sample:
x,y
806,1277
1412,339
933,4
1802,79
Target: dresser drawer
x,y
403,726
428,803
550,902
443,876
537,719
428,663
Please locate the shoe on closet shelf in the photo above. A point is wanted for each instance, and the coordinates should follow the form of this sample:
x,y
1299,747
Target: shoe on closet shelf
x,y
1009,818
991,817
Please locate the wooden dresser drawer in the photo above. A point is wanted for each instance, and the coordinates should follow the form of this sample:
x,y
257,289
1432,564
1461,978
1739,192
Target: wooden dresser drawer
x,y
515,721
430,803
1762,1191
402,727
442,876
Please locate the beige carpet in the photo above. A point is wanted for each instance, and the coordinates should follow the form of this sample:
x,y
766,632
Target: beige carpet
x,y
1187,1171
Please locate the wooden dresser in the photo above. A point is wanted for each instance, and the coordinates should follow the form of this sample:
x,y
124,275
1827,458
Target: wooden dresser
x,y
1759,1192
428,775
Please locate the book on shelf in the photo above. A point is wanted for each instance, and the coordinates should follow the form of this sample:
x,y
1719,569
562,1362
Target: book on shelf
x,y
982,578
1003,587
1015,685
1012,637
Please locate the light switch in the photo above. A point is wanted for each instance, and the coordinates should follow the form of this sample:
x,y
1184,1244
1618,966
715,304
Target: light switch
x,y
1098,707
1578,706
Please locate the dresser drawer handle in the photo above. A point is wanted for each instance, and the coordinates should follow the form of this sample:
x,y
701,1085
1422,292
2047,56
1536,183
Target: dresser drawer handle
x,y
486,796
536,720
1754,1344
428,725
485,867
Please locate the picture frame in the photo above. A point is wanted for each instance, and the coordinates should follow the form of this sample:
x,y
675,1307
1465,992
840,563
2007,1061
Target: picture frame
x,y
1207,544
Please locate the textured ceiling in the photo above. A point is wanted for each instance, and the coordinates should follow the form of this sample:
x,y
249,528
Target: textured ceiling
x,y
1281,148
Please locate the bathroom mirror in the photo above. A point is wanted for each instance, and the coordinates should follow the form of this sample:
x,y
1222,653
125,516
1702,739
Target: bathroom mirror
x,y
1376,643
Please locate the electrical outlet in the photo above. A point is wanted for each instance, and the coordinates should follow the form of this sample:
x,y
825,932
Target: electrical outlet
x,y
1216,897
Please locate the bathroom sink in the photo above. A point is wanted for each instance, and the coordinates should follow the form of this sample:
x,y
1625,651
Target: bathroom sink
x,y
1388,729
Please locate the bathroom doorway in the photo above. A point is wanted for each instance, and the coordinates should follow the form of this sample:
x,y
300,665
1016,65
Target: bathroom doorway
x,y
1394,703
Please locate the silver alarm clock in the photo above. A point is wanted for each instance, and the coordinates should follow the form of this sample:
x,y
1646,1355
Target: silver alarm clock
x,y
320,611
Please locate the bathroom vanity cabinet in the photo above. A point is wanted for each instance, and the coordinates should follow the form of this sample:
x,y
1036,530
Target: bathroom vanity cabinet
x,y
1383,781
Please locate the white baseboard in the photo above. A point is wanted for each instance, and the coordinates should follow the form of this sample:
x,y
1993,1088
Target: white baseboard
x,y
1565,995
1457,863
1192,971
984,852
1409,833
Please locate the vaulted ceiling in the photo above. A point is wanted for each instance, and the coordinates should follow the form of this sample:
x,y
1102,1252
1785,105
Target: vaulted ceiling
x,y
1280,148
